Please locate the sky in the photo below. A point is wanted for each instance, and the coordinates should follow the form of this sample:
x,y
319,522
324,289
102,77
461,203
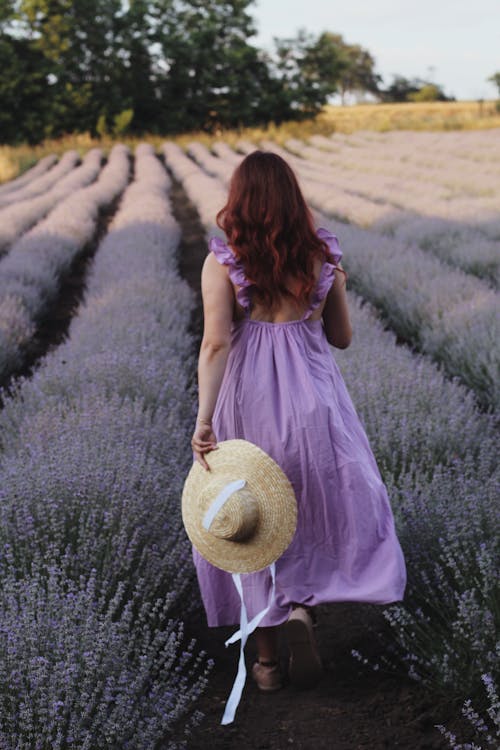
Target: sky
x,y
454,43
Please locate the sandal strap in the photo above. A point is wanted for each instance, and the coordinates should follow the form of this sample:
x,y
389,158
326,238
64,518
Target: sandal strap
x,y
309,610
266,663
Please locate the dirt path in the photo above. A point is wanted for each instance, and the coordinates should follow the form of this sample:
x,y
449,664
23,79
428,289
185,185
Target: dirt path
x,y
352,707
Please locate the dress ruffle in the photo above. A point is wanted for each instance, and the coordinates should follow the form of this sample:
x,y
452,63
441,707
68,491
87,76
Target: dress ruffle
x,y
226,257
327,273
332,242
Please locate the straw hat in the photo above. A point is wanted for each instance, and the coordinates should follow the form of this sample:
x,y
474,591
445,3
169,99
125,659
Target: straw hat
x,y
242,514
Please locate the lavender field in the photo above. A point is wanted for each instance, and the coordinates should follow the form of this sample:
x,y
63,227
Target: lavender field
x,y
97,585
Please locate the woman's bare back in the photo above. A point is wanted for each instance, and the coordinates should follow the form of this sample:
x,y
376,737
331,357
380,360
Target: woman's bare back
x,y
287,311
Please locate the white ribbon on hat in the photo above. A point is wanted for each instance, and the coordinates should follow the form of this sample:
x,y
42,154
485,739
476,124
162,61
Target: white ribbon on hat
x,y
246,628
219,501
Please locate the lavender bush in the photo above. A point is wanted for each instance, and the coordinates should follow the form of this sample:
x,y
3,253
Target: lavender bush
x,y
446,313
323,191
438,456
30,274
216,167
207,193
20,216
44,181
488,736
77,671
38,169
94,451
457,244
408,191
468,169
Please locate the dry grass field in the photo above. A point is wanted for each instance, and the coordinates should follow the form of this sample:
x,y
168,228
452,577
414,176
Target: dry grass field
x,y
465,115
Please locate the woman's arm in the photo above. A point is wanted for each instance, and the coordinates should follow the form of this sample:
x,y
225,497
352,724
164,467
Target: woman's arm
x,y
218,303
335,315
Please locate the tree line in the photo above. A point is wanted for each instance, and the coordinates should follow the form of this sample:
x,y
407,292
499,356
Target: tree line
x,y
165,66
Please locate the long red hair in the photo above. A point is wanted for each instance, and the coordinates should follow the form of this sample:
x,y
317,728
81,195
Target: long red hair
x,y
270,228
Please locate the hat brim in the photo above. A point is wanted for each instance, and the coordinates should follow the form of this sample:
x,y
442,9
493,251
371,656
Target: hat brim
x,y
241,459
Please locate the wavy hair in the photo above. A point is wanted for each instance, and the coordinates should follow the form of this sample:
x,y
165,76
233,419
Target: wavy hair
x,y
270,228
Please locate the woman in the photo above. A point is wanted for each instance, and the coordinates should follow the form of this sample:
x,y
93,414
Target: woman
x,y
274,301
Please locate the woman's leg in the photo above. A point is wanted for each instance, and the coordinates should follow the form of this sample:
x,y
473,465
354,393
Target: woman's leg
x,y
267,642
266,671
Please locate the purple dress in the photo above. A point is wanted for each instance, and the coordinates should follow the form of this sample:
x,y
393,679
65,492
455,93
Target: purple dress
x,y
283,391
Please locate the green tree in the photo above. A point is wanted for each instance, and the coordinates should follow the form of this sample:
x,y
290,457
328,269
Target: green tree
x,y
314,68
213,76
358,73
175,65
413,90
81,41
24,111
309,70
427,93
400,89
495,80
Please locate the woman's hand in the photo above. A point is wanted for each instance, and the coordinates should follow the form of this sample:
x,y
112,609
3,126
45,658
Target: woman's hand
x,y
203,441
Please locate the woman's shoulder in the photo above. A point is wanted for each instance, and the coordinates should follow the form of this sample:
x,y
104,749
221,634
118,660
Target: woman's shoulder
x,y
225,256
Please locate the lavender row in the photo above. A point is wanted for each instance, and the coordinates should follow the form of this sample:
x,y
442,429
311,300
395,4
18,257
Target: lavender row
x,y
39,168
323,192
461,243
474,249
207,194
437,454
31,273
94,563
414,159
45,181
447,313
417,166
433,158
21,216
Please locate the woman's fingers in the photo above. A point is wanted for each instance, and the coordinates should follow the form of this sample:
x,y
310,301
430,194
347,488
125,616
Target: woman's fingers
x,y
201,459
199,448
203,441
203,462
203,448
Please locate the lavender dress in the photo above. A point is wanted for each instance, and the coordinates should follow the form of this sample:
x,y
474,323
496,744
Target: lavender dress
x,y
283,391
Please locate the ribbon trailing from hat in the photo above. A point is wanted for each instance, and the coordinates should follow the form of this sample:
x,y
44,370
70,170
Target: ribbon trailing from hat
x,y
246,628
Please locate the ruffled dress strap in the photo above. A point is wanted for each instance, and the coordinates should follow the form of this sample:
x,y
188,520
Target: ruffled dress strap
x,y
327,273
226,257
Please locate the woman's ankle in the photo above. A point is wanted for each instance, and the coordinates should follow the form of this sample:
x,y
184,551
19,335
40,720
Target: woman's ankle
x,y
267,662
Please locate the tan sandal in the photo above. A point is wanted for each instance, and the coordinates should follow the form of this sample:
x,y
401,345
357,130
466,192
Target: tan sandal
x,y
304,667
267,676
